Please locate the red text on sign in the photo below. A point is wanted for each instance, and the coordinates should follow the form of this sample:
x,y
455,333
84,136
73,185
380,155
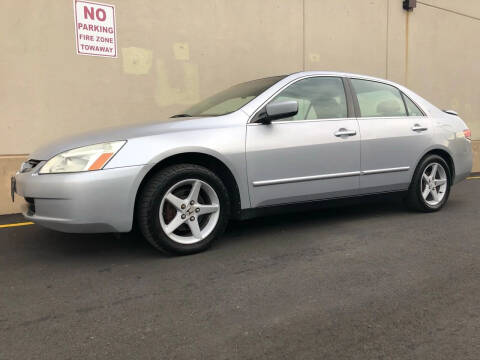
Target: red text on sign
x,y
91,13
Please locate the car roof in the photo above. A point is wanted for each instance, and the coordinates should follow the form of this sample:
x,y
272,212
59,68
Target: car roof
x,y
338,73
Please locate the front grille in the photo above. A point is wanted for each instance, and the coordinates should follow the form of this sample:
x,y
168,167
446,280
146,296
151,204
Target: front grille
x,y
29,165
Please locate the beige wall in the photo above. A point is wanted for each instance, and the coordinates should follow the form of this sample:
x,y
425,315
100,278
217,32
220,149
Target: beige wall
x,y
444,58
172,53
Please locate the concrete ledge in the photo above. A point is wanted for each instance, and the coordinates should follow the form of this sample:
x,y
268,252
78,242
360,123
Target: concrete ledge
x,y
9,165
11,219
476,155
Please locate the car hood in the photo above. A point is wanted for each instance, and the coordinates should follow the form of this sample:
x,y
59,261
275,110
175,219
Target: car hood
x,y
121,133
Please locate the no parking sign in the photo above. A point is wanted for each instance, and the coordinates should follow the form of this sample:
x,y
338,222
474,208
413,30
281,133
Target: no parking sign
x,y
95,29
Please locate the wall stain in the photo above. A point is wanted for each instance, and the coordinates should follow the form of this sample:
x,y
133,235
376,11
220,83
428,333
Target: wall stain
x,y
184,93
181,51
136,61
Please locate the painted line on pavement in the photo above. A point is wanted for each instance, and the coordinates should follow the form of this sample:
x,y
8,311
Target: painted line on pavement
x,y
16,224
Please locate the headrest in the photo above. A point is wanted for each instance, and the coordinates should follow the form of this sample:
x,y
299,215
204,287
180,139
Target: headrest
x,y
388,107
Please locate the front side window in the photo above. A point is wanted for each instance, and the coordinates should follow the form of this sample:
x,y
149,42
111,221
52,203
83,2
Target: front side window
x,y
378,100
231,99
317,97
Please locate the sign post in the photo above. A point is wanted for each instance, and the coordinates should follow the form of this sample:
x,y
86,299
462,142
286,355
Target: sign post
x,y
95,30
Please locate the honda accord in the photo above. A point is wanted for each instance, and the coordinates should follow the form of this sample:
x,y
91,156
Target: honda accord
x,y
257,146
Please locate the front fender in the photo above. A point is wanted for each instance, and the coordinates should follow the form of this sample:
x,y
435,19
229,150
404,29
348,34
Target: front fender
x,y
226,144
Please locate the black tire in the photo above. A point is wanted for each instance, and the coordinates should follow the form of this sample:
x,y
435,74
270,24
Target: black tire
x,y
414,199
148,206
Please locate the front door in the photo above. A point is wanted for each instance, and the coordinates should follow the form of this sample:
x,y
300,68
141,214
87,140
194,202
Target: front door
x,y
313,155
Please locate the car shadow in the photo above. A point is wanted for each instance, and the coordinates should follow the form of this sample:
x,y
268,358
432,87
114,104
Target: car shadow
x,y
132,245
321,217
56,244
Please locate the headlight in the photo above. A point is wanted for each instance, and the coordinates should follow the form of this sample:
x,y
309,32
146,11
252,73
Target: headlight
x,y
87,158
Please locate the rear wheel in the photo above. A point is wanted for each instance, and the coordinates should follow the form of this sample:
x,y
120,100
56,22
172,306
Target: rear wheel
x,y
430,185
183,208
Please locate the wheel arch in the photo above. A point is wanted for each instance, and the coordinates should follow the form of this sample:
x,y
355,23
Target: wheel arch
x,y
445,155
198,158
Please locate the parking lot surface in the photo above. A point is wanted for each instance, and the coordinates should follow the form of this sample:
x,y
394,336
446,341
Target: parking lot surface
x,y
365,282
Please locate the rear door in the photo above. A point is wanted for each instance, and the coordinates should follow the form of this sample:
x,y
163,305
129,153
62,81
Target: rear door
x,y
311,156
394,133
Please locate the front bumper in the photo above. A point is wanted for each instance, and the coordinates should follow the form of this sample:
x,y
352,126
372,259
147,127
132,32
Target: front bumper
x,y
87,202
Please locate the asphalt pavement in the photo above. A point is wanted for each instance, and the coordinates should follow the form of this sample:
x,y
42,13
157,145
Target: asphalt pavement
x,y
371,281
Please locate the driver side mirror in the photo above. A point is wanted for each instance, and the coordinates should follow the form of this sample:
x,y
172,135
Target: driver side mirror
x,y
280,110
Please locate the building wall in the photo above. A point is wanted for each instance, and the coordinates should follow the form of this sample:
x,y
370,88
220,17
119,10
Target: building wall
x,y
172,54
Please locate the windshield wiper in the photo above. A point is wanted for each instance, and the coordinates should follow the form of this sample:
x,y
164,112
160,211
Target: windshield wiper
x,y
181,115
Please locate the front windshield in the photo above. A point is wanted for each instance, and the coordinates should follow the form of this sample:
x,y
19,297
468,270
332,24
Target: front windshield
x,y
232,99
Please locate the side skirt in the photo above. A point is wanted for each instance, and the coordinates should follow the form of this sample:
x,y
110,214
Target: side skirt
x,y
317,205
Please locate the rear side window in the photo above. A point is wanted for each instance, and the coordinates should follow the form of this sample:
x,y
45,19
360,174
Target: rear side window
x,y
317,97
378,100
413,109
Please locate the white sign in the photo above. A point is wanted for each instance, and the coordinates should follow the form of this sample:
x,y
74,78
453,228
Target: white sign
x,y
95,29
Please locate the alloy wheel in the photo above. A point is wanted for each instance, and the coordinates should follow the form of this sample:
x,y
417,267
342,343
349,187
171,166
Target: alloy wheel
x,y
433,184
189,211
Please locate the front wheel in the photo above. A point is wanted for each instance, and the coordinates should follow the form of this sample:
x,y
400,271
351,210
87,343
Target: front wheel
x,y
183,208
430,185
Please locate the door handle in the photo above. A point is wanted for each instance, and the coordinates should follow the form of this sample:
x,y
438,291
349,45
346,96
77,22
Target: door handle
x,y
418,127
344,132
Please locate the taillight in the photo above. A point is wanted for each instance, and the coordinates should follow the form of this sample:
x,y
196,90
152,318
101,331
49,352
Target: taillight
x,y
468,134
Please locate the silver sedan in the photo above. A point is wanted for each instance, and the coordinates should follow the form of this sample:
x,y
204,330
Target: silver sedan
x,y
285,140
